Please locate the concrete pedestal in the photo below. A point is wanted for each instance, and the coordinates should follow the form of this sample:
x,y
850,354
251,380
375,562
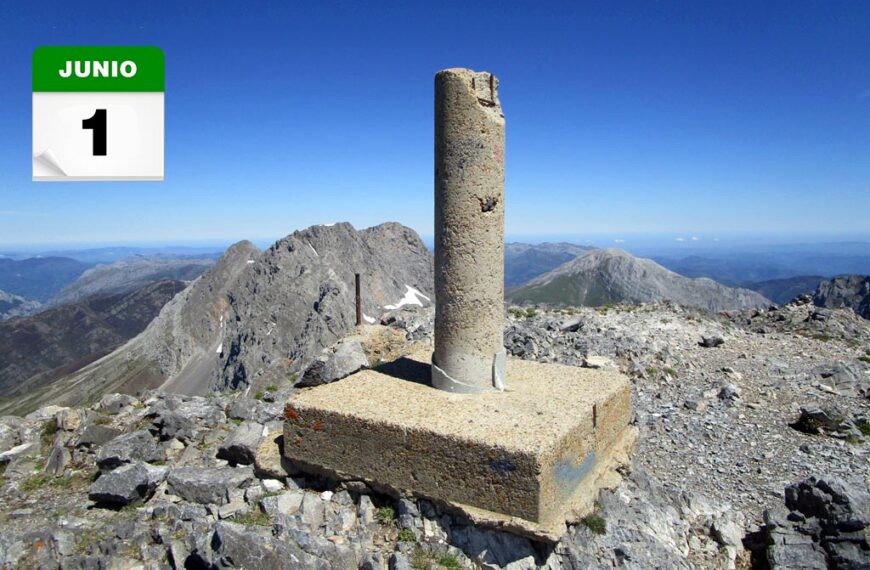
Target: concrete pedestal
x,y
527,459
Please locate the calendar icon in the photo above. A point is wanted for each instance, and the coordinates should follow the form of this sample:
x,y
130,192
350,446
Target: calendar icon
x,y
98,113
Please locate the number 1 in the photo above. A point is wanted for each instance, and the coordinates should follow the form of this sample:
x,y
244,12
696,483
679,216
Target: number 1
x,y
97,123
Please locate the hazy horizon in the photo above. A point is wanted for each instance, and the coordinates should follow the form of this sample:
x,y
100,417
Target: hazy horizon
x,y
685,241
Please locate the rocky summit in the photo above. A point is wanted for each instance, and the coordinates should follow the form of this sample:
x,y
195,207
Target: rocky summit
x,y
752,452
609,276
270,335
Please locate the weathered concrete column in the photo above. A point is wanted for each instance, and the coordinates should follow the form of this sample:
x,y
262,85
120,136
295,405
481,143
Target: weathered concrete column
x,y
469,233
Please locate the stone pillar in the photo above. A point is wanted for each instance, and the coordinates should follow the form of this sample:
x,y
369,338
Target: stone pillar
x,y
469,233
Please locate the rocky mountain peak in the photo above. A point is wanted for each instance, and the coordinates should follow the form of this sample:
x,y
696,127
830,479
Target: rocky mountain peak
x,y
273,332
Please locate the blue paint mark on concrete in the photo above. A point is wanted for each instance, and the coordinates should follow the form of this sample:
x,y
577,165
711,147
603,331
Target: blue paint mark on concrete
x,y
568,474
502,466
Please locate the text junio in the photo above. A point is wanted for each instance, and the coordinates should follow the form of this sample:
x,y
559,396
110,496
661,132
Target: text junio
x,y
98,69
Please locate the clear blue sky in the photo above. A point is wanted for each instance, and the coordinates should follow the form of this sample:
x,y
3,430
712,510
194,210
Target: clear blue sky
x,y
658,117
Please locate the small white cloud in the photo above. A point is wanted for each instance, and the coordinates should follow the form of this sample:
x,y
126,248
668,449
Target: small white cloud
x,y
680,239
695,238
619,241
10,213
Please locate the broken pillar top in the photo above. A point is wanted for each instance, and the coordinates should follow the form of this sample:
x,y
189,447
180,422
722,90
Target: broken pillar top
x,y
469,352
482,84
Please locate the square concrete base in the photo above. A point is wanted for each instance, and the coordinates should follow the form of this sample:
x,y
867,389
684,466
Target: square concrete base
x,y
526,460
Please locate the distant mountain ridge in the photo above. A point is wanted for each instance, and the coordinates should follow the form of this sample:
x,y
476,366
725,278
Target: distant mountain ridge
x,y
39,278
523,261
781,291
130,274
604,276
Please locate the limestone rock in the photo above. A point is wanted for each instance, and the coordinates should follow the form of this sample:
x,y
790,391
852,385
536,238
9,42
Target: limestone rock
x,y
127,485
240,547
136,446
286,503
69,420
341,360
207,485
114,403
399,561
57,461
96,435
242,444
712,341
825,528
312,511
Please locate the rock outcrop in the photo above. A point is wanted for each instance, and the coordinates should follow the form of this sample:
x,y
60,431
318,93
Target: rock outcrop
x,y
298,297
822,525
612,276
851,291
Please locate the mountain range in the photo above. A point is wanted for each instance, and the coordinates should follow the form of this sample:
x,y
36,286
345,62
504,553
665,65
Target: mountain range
x,y
781,291
255,317
130,274
610,276
39,278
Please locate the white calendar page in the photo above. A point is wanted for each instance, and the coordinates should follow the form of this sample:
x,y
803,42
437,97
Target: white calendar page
x,y
98,113
63,150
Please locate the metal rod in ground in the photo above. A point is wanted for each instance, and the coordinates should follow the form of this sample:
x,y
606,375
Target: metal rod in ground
x,y
358,302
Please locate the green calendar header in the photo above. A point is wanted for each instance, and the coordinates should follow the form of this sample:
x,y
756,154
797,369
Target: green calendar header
x,y
98,68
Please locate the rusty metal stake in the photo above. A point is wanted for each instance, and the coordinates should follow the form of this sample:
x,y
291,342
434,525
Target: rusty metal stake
x,y
358,302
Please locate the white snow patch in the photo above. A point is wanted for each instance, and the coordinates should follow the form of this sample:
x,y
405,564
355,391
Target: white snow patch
x,y
412,297
314,251
250,261
368,319
220,348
